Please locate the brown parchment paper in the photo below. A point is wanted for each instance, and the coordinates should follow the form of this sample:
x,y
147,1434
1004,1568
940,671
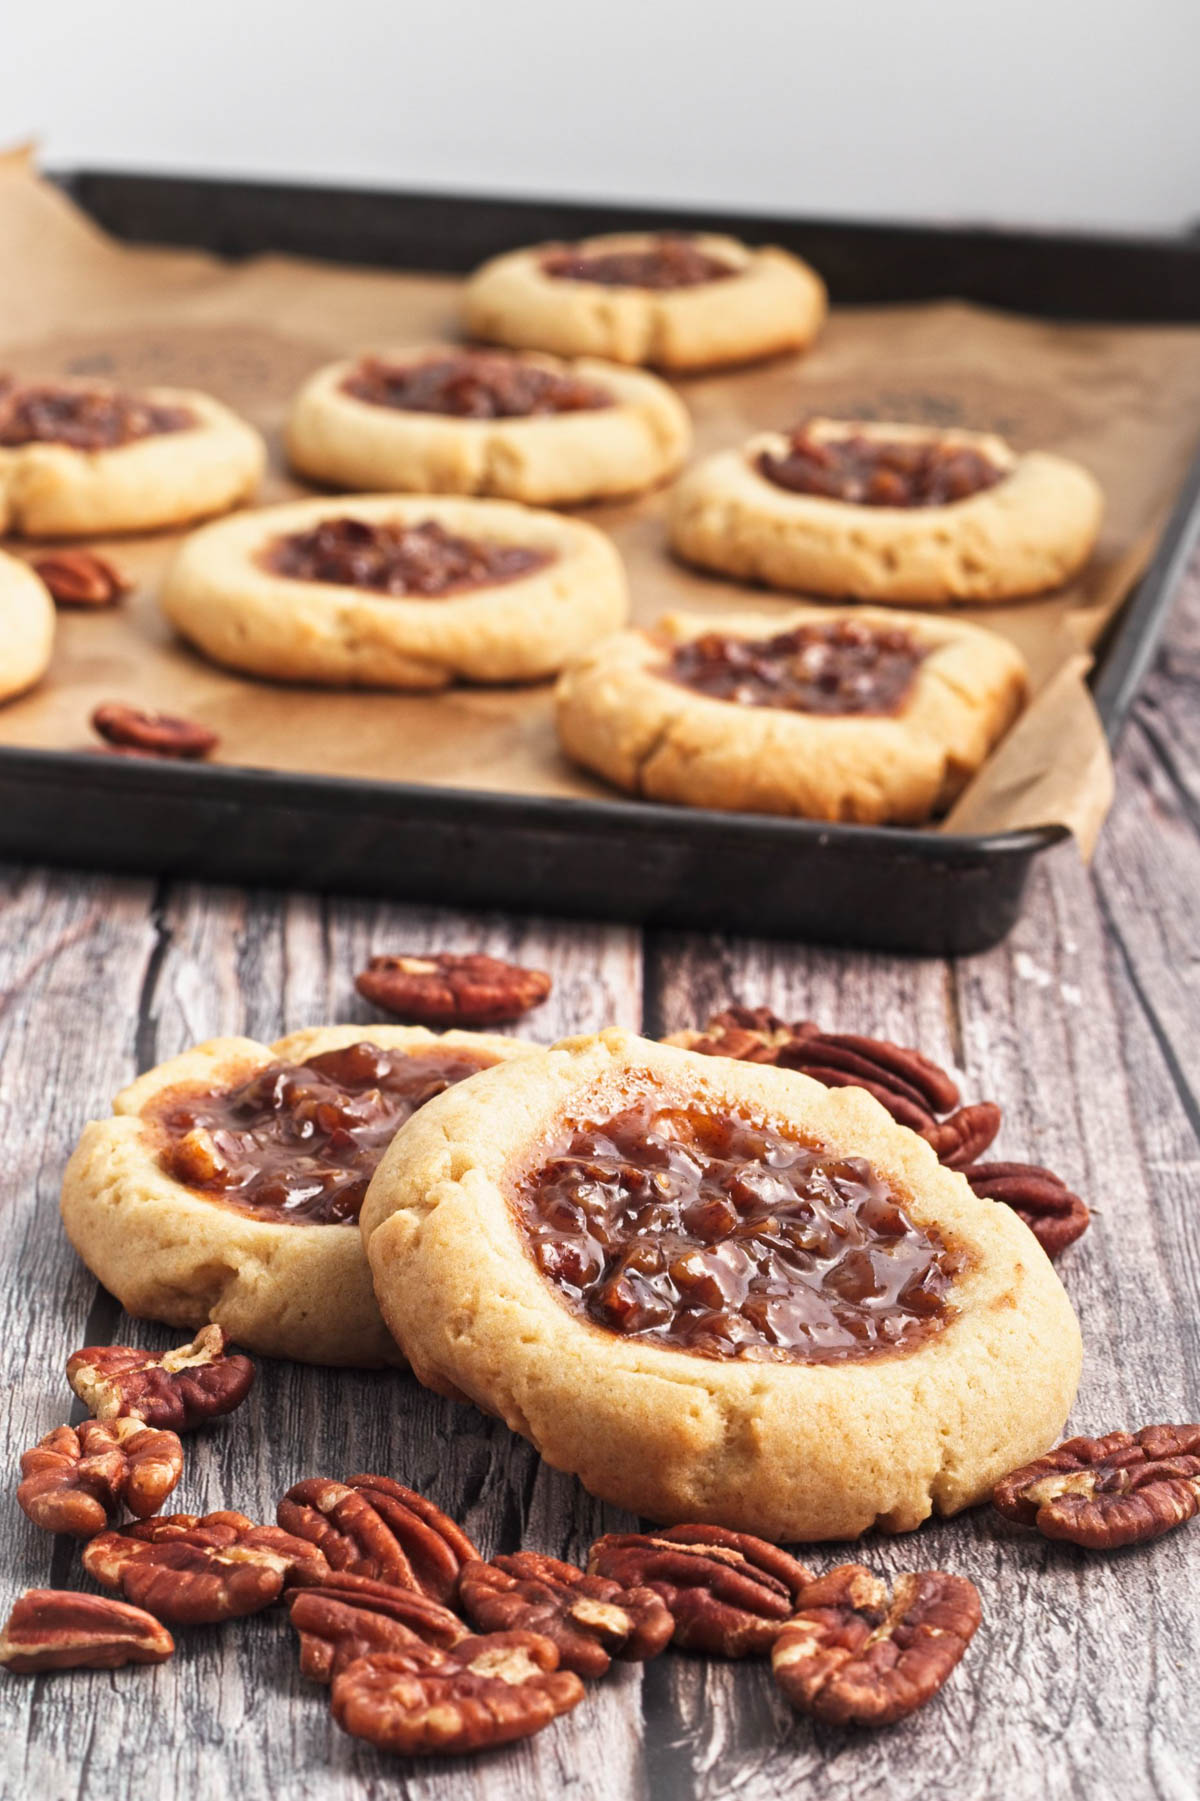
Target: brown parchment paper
x,y
1123,400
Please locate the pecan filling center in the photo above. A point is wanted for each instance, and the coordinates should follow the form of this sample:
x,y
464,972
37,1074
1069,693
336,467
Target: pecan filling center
x,y
667,262
880,472
83,418
301,1141
473,385
422,560
845,667
711,1234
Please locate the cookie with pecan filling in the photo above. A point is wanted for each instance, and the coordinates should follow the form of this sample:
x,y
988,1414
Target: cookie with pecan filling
x,y
905,514
78,457
718,1292
821,713
227,1183
441,419
672,300
396,592
26,627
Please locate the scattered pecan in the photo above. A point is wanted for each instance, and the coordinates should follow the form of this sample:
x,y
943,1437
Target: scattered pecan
x,y
590,1619
56,1629
77,1478
194,1569
79,578
727,1592
1105,1492
482,1691
351,1616
446,990
1054,1215
180,1389
373,1527
856,1655
159,734
965,1134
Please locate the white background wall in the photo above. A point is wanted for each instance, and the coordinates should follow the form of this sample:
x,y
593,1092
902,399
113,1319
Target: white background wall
x,y
1077,111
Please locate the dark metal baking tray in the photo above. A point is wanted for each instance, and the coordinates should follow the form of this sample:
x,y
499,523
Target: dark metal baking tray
x,y
883,888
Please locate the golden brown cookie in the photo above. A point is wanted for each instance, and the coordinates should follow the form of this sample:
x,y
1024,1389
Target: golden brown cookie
x,y
187,1220
26,627
439,419
673,301
717,1291
392,592
78,457
820,713
892,513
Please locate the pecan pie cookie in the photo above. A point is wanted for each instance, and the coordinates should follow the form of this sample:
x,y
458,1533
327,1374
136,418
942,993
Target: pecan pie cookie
x,y
439,419
668,299
389,592
26,627
83,456
718,1291
894,513
820,713
226,1186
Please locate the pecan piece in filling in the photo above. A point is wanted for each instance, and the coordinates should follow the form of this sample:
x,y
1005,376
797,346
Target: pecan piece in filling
x,y
473,384
423,561
83,418
670,260
840,668
880,472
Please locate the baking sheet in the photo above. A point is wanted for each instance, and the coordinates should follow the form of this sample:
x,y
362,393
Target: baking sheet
x,y
1124,400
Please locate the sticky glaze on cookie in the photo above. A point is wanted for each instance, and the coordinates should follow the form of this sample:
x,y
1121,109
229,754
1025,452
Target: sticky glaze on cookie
x,y
841,668
668,261
713,1234
473,384
83,418
880,472
423,560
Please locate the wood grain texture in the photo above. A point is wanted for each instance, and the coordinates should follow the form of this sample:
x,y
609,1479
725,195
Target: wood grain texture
x,y
1084,1024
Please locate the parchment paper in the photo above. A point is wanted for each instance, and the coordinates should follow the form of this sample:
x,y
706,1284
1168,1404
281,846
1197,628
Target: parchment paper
x,y
1123,400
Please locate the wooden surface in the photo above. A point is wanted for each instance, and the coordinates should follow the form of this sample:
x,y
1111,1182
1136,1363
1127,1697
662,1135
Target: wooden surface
x,y
1081,1681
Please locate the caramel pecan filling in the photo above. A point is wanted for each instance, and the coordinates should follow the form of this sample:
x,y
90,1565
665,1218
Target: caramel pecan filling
x,y
83,418
301,1141
845,667
712,1234
667,262
880,472
424,560
473,385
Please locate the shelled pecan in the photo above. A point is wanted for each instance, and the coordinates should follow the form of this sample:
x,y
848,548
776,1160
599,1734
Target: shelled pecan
x,y
482,1691
154,734
728,1592
194,1570
181,1389
589,1618
856,1655
348,1617
1123,1489
374,1527
77,1479
442,989
56,1629
1054,1215
80,578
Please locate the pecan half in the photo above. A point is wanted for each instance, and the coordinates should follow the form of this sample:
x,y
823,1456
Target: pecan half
x,y
79,578
351,1616
483,1691
1104,1492
180,1389
590,1619
194,1570
727,1592
856,1655
76,1479
374,1527
56,1629
446,990
159,734
1054,1215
